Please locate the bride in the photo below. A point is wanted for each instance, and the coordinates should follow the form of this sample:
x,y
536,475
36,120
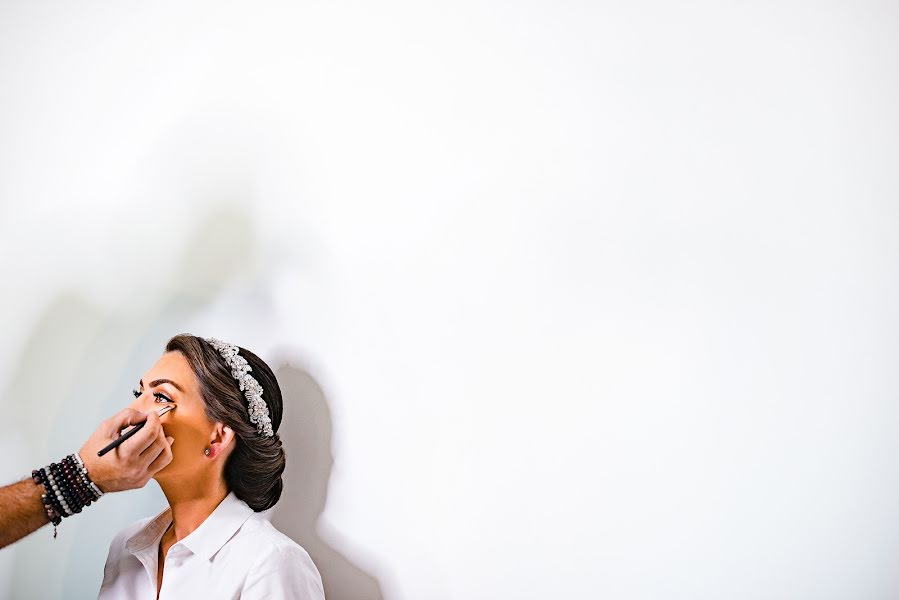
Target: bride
x,y
211,542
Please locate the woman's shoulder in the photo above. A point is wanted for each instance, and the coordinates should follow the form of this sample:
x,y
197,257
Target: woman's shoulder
x,y
118,551
268,540
128,531
280,567
133,527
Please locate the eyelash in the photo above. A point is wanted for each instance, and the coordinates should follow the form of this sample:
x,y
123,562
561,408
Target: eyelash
x,y
159,395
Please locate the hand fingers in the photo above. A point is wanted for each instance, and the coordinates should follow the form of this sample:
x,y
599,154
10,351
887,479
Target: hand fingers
x,y
143,439
122,419
153,450
164,458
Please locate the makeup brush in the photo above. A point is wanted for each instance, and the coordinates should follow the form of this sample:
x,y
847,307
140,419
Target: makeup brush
x,y
118,441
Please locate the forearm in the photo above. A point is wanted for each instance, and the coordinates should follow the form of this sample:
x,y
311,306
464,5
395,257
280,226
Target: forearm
x,y
22,510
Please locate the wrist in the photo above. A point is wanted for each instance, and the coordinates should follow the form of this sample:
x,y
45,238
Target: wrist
x,y
97,472
93,486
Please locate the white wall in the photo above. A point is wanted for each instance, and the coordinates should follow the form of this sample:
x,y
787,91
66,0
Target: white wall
x,y
582,299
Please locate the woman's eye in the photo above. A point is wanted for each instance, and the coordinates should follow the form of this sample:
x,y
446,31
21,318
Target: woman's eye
x,y
162,397
136,393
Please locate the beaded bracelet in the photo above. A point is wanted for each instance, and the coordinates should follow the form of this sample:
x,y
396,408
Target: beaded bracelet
x,y
67,488
52,513
83,470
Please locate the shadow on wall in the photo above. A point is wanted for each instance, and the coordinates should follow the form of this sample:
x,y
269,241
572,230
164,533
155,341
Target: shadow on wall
x,y
306,433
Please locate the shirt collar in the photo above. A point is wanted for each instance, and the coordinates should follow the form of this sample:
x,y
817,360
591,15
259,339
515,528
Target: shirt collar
x,y
205,540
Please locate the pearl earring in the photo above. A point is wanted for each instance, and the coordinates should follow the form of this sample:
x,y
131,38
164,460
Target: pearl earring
x,y
206,451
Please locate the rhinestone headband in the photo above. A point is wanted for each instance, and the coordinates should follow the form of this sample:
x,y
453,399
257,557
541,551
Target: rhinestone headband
x,y
248,385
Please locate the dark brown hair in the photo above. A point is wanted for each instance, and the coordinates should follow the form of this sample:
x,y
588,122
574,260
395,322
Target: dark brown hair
x,y
254,468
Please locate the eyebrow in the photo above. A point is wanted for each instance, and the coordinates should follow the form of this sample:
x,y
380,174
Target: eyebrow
x,y
157,382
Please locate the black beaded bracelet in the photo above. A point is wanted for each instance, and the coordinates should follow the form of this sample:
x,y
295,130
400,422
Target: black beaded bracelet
x,y
92,487
69,502
52,513
51,493
83,485
67,488
74,485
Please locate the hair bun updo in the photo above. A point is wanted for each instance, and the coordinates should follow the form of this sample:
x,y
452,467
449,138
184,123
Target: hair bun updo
x,y
254,468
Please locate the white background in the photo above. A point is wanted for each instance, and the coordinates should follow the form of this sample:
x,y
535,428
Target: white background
x,y
568,299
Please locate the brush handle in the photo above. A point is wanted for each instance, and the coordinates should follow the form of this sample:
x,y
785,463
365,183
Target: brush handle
x,y
118,441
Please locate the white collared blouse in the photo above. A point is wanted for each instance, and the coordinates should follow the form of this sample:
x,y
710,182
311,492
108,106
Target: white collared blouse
x,y
234,553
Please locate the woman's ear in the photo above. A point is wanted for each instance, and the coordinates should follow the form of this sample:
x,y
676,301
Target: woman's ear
x,y
221,440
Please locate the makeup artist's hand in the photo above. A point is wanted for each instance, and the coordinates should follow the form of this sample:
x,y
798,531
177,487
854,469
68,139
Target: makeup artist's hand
x,y
132,464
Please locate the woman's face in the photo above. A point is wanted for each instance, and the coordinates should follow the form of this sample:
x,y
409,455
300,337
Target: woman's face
x,y
171,382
